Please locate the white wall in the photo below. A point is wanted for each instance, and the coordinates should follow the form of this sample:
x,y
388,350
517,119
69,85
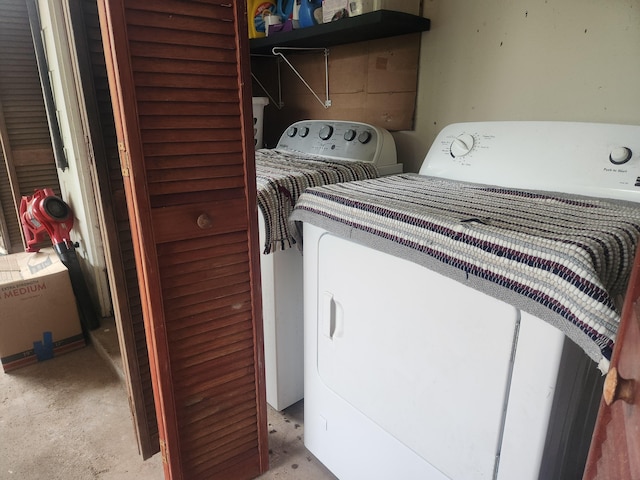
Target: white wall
x,y
573,60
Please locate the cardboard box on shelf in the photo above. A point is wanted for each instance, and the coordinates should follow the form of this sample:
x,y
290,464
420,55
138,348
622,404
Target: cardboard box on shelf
x,y
38,312
333,10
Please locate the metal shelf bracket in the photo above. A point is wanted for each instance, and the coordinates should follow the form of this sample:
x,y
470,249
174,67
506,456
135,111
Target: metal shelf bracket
x,y
277,52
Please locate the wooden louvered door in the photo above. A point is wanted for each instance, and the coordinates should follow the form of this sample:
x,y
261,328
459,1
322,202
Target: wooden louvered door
x,y
615,445
118,245
179,79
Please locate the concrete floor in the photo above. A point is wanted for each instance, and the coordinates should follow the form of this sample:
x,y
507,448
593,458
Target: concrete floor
x,y
68,418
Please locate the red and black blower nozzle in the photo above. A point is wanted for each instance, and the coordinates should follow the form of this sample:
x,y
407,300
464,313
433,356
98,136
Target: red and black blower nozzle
x,y
44,214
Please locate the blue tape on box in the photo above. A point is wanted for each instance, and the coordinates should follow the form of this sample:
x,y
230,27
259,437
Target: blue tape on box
x,y
44,349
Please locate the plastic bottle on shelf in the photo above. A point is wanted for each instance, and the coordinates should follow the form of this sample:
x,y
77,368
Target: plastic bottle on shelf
x,y
306,17
257,10
285,9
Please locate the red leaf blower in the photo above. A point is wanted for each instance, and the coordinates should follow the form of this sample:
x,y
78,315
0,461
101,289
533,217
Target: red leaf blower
x,y
44,214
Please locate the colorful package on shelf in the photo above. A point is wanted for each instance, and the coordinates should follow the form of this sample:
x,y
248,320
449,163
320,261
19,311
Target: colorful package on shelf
x,y
257,12
280,27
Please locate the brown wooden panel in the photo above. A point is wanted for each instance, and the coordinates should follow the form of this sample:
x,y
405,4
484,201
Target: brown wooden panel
x,y
164,67
184,121
615,445
149,18
241,388
200,323
121,264
192,95
236,390
196,148
200,414
629,369
232,465
207,298
179,285
192,160
187,108
34,177
191,135
153,79
238,428
237,357
176,36
33,156
204,184
175,223
206,196
210,10
230,265
187,174
216,306
168,51
231,353
198,398
181,253
203,324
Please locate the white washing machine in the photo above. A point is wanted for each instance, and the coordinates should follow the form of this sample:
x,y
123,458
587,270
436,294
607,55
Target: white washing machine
x,y
323,143
416,366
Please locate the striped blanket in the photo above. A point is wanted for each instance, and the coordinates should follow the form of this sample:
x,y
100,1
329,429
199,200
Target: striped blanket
x,y
563,258
282,176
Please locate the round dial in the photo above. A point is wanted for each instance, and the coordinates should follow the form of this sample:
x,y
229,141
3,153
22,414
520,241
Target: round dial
x,y
349,135
326,132
620,155
364,137
291,132
304,131
462,145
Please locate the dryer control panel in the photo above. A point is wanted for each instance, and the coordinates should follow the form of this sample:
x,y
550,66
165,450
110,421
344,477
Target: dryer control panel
x,y
599,160
343,140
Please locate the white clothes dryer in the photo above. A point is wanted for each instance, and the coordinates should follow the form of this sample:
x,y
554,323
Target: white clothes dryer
x,y
312,152
455,320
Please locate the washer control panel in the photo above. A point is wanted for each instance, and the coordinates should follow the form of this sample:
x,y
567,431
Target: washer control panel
x,y
343,140
600,160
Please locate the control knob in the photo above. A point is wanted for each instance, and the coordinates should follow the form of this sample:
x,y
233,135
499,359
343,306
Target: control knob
x,y
620,155
462,145
326,132
364,137
349,135
304,131
291,132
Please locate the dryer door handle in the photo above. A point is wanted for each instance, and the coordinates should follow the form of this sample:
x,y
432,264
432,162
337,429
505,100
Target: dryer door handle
x,y
330,316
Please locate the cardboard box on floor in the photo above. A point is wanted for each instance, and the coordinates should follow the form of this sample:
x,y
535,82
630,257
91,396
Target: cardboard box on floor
x,y
38,313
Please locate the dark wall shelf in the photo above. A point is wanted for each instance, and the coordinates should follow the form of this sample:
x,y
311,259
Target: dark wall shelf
x,y
369,26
